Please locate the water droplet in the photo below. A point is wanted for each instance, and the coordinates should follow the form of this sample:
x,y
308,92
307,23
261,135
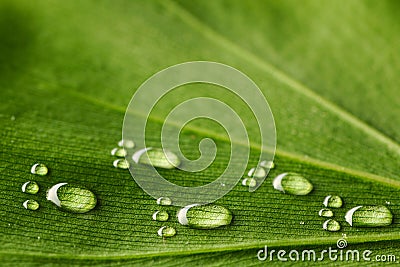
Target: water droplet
x,y
267,164
257,172
157,158
204,216
325,213
31,204
250,182
331,225
126,143
333,202
292,183
164,201
39,169
166,231
119,152
344,235
222,184
72,198
388,202
369,216
121,163
301,223
30,187
160,216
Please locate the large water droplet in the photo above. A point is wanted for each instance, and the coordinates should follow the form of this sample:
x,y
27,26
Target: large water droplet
x,y
30,187
166,231
331,225
164,201
121,164
292,183
31,204
257,172
267,164
250,182
160,216
126,143
119,152
72,198
204,216
157,158
369,216
333,202
39,169
325,213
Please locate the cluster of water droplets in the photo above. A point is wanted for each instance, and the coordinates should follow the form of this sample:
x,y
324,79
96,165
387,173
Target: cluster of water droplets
x,y
67,197
259,171
121,152
359,216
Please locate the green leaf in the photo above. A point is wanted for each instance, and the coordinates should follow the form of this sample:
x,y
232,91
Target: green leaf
x,y
68,70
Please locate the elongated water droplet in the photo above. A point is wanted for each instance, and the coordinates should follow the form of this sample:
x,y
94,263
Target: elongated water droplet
x,y
157,158
331,225
166,231
204,216
126,143
325,213
369,216
39,169
119,152
31,204
72,198
257,172
292,183
161,216
121,164
30,187
333,202
164,201
267,164
250,182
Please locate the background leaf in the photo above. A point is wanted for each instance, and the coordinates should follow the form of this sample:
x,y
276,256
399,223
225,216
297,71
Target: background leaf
x,y
69,69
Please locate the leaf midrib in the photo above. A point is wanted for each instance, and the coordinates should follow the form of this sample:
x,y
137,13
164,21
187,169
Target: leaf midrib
x,y
280,75
230,248
284,154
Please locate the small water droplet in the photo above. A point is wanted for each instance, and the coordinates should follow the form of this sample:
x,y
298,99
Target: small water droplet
x,y
325,213
292,183
257,172
301,223
161,216
344,235
119,152
121,164
222,184
267,164
39,169
126,143
369,216
164,201
331,225
157,158
388,202
250,182
166,231
30,187
204,216
72,198
31,204
333,202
